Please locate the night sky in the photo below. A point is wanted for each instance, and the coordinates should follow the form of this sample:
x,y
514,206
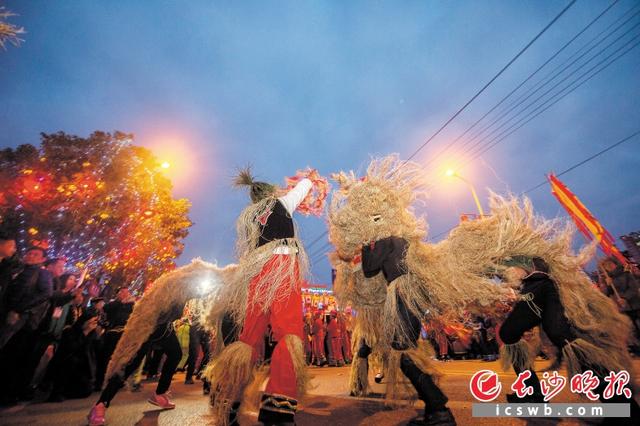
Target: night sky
x,y
211,86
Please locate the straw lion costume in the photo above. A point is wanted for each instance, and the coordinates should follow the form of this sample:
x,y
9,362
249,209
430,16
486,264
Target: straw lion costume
x,y
401,278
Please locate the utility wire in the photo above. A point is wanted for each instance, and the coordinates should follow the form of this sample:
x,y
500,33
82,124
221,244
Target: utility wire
x,y
586,160
569,169
524,49
577,52
548,105
525,81
495,77
484,139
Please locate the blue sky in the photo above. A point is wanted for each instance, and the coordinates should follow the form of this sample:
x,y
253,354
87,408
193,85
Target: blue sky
x,y
284,85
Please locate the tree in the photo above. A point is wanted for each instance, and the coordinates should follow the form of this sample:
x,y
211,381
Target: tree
x,y
99,200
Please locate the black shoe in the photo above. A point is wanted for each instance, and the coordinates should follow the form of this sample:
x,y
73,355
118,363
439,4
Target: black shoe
x,y
536,398
188,381
277,410
437,418
378,378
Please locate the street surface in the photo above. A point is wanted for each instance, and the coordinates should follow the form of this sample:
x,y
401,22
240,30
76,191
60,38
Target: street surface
x,y
327,405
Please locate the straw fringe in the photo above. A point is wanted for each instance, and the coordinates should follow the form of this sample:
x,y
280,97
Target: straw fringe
x,y
517,356
398,387
172,289
359,377
253,392
579,353
229,375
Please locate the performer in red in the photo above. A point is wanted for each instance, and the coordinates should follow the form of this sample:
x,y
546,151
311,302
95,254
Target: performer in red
x,y
334,334
319,334
271,262
344,321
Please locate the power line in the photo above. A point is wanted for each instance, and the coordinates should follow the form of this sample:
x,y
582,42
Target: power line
x,y
586,160
569,169
453,117
586,45
543,107
552,57
489,83
488,136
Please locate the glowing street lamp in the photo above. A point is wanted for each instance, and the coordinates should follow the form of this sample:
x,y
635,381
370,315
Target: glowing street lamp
x,y
165,165
452,173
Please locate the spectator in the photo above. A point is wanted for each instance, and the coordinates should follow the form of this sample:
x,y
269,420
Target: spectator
x,y
27,303
56,266
73,366
624,287
27,297
344,321
76,309
308,332
50,330
96,306
7,267
117,313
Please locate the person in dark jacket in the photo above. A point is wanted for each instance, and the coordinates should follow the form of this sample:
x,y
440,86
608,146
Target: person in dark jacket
x,y
116,313
387,256
163,338
56,266
72,369
27,296
50,330
27,304
8,267
541,306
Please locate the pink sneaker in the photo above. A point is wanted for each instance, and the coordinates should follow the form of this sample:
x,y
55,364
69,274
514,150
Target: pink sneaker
x,y
96,415
162,401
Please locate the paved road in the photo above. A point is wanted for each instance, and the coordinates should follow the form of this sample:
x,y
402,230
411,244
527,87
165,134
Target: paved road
x,y
328,404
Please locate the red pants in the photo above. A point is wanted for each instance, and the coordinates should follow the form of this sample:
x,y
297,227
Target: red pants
x,y
346,346
285,317
318,347
336,349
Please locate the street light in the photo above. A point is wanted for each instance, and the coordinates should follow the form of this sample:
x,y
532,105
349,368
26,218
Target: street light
x,y
452,173
165,165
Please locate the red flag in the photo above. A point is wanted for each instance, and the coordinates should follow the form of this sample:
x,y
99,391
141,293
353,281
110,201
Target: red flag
x,y
585,221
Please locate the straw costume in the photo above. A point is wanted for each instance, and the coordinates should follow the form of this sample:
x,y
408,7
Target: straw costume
x,y
540,304
151,323
267,290
371,217
385,270
555,293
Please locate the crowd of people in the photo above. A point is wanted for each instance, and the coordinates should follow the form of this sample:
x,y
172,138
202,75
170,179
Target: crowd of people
x,y
54,337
